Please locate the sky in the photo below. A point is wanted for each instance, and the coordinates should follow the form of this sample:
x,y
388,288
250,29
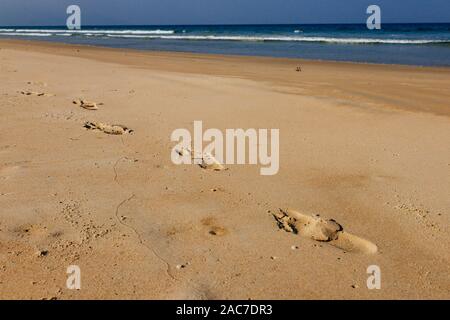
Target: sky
x,y
178,12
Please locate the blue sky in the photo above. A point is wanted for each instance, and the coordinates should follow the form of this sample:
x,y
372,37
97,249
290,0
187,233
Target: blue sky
x,y
155,12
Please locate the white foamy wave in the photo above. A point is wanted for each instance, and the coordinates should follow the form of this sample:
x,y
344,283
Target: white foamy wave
x,y
171,35
286,39
41,30
97,31
174,37
368,40
94,34
25,34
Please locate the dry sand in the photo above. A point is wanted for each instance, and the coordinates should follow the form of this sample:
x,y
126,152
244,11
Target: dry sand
x,y
367,146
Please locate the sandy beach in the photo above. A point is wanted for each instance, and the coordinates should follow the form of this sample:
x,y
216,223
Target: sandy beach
x,y
367,146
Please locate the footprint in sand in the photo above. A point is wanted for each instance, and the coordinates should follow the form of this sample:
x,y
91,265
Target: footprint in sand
x,y
34,93
37,83
116,129
213,228
30,230
205,160
323,230
89,105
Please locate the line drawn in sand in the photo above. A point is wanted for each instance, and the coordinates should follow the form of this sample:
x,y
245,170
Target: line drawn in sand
x,y
139,236
322,230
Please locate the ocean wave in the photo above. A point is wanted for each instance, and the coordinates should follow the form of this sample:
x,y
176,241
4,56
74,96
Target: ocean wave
x,y
94,34
94,31
172,35
25,34
287,39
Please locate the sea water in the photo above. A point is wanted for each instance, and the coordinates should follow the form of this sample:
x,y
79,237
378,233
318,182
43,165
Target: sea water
x,y
412,44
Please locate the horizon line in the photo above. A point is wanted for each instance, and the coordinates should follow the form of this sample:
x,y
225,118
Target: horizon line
x,y
218,24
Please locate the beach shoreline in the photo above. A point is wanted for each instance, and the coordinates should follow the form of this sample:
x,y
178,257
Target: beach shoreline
x,y
407,44
224,65
58,44
363,144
